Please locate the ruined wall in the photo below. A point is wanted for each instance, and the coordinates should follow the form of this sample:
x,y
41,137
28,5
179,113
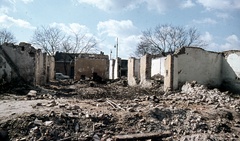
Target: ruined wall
x,y
133,71
231,71
88,64
194,64
145,71
158,66
5,70
137,70
50,68
111,68
22,58
39,68
25,63
168,80
199,65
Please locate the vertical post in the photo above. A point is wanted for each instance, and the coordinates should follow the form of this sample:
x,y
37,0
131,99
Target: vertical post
x,y
116,67
117,50
110,54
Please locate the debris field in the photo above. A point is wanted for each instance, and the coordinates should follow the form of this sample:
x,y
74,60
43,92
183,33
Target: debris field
x,y
85,110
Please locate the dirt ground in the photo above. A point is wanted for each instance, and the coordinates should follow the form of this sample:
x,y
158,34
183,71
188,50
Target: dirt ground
x,y
67,110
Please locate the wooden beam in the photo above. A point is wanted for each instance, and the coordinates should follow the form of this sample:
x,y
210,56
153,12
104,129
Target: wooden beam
x,y
142,136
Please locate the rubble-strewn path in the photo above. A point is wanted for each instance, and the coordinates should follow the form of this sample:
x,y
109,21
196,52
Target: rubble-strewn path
x,y
68,111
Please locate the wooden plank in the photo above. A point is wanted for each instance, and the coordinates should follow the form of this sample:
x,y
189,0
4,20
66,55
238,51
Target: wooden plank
x,y
142,136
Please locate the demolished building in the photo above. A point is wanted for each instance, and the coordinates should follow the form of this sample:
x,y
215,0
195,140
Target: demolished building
x,y
91,65
24,62
118,68
213,69
141,71
64,63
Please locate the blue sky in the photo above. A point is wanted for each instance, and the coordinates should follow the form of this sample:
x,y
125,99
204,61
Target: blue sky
x,y
218,21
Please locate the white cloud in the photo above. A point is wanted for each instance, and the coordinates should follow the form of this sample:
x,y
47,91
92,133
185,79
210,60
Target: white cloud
x,y
205,21
116,5
128,45
187,4
112,5
209,40
233,43
15,1
220,5
223,15
4,10
164,5
7,21
128,36
115,28
160,5
207,37
71,28
10,5
27,1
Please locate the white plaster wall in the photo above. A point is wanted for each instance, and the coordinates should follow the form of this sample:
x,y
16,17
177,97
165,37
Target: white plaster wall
x,y
231,72
117,69
234,61
157,66
111,69
199,65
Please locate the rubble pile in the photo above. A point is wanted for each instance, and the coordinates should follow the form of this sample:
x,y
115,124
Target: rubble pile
x,y
117,112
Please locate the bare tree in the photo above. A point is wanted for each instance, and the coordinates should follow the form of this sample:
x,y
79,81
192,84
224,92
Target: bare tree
x,y
166,39
6,37
48,38
78,43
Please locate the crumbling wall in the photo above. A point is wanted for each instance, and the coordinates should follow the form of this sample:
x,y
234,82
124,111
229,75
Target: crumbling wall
x,y
39,68
87,64
194,64
50,67
111,68
168,80
22,57
5,70
231,71
23,62
133,71
145,71
45,66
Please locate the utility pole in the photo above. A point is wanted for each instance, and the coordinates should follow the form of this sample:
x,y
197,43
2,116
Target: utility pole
x,y
116,46
110,54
